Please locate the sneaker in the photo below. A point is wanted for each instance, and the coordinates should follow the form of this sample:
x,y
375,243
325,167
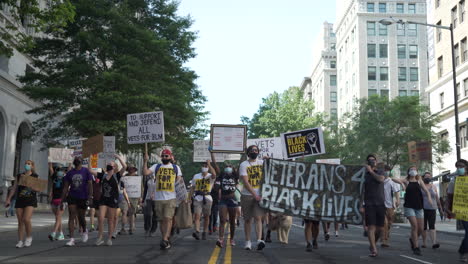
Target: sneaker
x,y
168,245
315,244
20,244
260,244
130,232
60,237
248,245
163,244
233,242
327,237
219,243
109,242
152,234
92,228
215,229
336,234
122,232
114,236
196,235
417,251
84,237
203,236
28,242
100,241
309,247
51,236
70,243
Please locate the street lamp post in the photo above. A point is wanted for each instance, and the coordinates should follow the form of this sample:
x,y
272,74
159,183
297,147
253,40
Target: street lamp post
x,y
454,73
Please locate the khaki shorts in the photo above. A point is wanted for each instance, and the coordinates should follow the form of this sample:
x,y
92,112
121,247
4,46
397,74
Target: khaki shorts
x,y
199,207
165,208
250,207
123,205
133,205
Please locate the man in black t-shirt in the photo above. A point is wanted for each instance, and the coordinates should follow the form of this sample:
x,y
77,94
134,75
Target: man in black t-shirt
x,y
374,202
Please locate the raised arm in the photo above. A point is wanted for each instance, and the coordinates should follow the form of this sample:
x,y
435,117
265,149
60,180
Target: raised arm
x,y
51,169
122,162
377,177
211,169
146,171
215,165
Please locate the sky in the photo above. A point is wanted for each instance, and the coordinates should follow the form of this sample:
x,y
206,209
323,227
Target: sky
x,y
247,49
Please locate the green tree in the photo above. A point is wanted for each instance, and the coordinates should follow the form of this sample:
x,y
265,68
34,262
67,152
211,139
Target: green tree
x,y
115,58
30,15
282,112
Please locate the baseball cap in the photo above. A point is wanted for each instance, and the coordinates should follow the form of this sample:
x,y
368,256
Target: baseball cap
x,y
166,152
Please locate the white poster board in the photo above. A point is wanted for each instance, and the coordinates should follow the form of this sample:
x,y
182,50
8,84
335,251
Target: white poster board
x,y
181,191
77,146
270,147
201,153
132,186
329,161
60,155
145,127
228,138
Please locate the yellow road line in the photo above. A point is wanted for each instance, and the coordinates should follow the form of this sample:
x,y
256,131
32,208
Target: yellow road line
x,y
228,255
214,255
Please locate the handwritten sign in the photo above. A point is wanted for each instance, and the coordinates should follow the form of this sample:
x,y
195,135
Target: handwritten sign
x,y
270,147
93,145
34,183
145,127
303,143
132,186
201,153
460,198
181,191
60,155
228,138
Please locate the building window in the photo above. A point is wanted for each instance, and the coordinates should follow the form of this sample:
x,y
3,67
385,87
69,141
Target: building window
x,y
412,30
4,63
439,31
401,51
458,91
384,93
372,73
400,30
370,28
400,8
372,92
402,93
414,93
334,113
465,86
440,66
462,10
464,52
463,136
332,80
441,100
333,96
371,51
437,3
332,34
384,73
413,51
370,7
382,7
333,64
413,74
444,136
402,73
333,46
383,50
456,50
411,8
454,17
382,30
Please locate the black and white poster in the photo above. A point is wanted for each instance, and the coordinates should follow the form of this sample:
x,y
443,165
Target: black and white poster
x,y
303,143
322,192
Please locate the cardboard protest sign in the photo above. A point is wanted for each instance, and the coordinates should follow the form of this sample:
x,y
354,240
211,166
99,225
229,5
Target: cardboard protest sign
x,y
270,147
228,138
34,183
321,192
132,186
303,143
419,151
201,153
93,145
60,155
460,198
145,127
93,161
77,146
181,191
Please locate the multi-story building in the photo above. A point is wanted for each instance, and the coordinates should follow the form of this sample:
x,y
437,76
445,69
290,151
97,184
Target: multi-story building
x,y
320,87
373,58
441,88
15,123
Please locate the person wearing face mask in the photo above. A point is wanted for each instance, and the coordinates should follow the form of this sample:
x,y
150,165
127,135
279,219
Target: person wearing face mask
x,y
462,171
166,175
413,207
251,172
202,185
430,210
26,201
392,201
57,175
78,193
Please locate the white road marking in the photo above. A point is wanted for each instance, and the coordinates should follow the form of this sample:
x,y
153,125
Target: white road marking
x,y
415,259
298,226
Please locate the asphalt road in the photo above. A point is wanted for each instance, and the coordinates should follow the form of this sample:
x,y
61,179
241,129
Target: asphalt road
x,y
349,247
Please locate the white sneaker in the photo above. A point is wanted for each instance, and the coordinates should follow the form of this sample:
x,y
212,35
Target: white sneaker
x,y
28,242
99,241
248,245
84,237
109,242
20,244
70,243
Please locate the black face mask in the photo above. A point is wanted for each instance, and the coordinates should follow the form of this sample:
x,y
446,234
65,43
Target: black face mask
x,y
371,163
165,161
253,155
109,168
77,163
427,180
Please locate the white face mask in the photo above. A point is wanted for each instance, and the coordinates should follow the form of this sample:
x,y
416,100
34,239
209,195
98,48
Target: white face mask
x,y
413,173
204,170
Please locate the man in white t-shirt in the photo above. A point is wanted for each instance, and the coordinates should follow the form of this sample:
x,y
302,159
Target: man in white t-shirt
x,y
391,191
165,196
202,183
251,173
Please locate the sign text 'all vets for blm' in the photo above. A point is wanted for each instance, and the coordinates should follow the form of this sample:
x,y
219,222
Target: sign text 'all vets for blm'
x,y
145,127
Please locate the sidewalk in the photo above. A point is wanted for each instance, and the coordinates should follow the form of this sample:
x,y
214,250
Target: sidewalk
x,y
447,227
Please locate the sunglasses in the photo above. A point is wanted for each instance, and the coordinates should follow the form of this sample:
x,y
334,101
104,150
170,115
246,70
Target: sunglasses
x,y
165,156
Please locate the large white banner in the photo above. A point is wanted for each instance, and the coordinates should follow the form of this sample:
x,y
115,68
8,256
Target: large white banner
x,y
132,186
270,147
145,127
60,155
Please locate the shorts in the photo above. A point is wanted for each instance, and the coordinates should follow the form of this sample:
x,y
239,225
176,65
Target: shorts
x,y
133,205
419,213
165,208
429,219
109,202
79,203
22,202
375,215
199,207
250,207
123,205
229,203
96,204
55,203
309,221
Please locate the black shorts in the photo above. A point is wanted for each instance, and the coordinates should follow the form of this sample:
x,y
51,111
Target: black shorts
x,y
429,219
375,215
79,203
22,203
96,204
309,221
111,203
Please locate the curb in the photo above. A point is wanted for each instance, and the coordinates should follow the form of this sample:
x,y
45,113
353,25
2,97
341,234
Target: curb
x,y
452,233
